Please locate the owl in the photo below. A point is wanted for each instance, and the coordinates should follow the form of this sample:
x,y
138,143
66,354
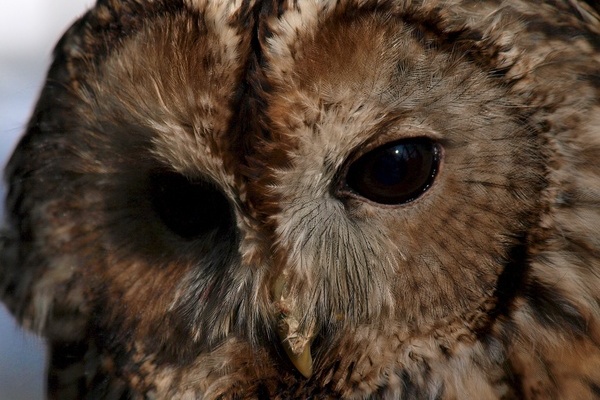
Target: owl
x,y
292,199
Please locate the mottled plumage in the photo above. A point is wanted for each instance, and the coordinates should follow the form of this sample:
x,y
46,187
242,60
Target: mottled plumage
x,y
192,213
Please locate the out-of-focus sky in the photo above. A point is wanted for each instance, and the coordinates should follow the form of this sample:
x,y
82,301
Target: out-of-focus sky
x,y
28,31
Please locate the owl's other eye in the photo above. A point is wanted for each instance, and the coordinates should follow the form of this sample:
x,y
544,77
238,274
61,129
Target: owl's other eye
x,y
395,173
189,208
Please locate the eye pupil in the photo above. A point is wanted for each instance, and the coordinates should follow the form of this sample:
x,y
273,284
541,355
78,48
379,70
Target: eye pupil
x,y
395,173
189,208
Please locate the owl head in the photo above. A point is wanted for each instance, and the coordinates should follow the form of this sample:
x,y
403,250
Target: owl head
x,y
361,199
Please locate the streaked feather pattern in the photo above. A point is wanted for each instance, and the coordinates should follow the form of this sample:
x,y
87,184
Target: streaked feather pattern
x,y
179,223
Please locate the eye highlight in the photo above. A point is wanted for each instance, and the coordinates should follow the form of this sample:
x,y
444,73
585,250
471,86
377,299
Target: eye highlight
x,y
395,173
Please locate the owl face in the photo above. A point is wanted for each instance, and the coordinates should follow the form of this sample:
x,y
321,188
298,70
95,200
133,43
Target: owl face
x,y
239,199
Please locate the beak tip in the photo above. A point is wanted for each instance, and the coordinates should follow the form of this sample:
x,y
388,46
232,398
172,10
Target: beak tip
x,y
302,361
295,343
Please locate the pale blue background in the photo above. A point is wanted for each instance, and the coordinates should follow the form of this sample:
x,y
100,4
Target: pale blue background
x,y
28,31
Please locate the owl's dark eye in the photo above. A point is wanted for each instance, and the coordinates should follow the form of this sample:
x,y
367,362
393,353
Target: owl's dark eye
x,y
395,173
189,208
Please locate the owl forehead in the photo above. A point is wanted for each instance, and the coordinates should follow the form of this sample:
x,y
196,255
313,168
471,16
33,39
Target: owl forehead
x,y
327,98
176,81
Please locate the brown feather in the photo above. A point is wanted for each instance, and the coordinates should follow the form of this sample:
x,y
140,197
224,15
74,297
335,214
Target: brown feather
x,y
179,216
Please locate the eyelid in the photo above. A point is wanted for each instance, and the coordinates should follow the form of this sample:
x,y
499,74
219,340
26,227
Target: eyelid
x,y
395,128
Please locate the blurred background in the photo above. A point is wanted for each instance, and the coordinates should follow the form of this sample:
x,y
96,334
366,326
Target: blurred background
x,y
28,31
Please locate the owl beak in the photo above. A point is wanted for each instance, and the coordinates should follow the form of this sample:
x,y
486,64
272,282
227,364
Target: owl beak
x,y
295,343
298,351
